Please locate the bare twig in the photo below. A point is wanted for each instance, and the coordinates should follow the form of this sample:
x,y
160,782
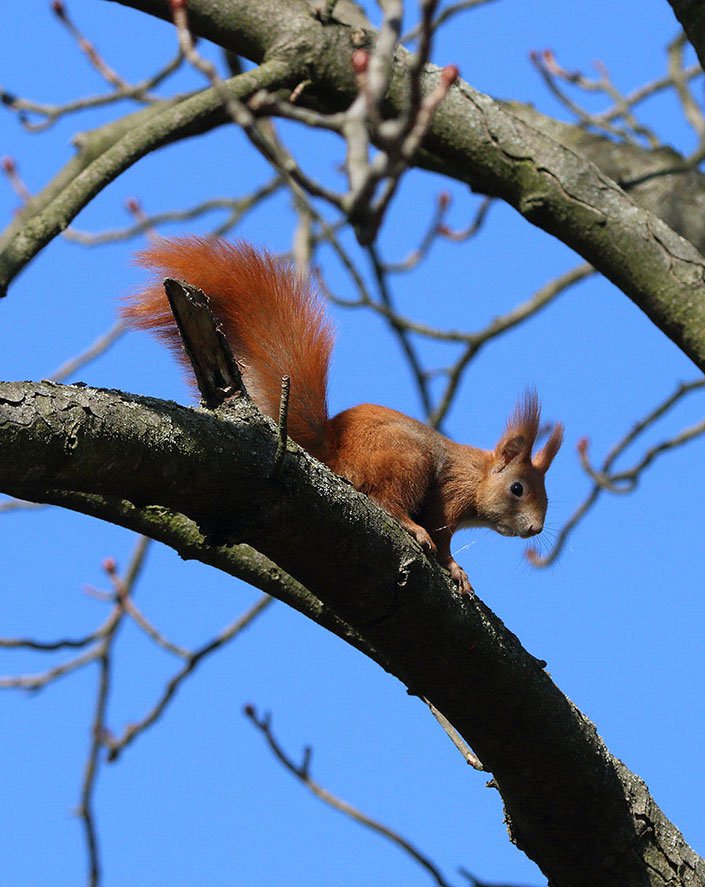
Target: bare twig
x,y
471,230
437,229
116,746
302,773
10,504
402,333
123,588
469,756
430,236
448,12
49,114
500,325
85,810
60,644
551,72
282,426
372,182
91,53
691,109
95,349
151,631
237,207
605,480
38,681
100,646
624,104
239,113
12,173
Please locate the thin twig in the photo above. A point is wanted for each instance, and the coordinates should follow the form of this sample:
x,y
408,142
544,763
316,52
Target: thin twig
x,y
443,16
401,332
551,72
132,731
85,809
372,182
430,236
12,173
95,349
282,426
51,113
302,773
19,505
503,324
239,113
463,234
123,588
691,109
38,681
85,45
468,755
151,631
237,208
60,644
604,480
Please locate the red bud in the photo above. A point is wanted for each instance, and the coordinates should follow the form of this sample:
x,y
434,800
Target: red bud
x,y
444,199
360,61
450,74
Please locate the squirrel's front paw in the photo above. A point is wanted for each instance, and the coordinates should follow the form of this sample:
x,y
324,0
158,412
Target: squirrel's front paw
x,y
459,576
423,538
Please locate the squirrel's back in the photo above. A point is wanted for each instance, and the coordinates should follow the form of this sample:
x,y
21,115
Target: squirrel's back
x,y
270,314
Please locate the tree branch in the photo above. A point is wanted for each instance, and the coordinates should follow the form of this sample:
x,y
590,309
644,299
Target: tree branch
x,y
107,152
302,772
473,139
571,806
691,15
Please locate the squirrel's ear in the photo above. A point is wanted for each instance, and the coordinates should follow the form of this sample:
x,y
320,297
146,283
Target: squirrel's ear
x,y
510,447
542,460
520,433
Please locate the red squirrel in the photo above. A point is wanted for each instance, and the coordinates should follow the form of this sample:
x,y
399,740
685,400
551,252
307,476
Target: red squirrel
x,y
275,323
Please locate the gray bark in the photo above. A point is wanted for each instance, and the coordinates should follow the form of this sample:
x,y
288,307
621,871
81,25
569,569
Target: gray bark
x,y
203,484
472,138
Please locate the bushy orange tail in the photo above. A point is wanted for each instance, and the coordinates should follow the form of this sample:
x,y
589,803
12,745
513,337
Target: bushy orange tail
x,y
271,316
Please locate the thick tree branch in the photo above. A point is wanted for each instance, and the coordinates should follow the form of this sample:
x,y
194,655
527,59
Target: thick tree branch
x,y
105,153
660,180
571,806
691,15
472,139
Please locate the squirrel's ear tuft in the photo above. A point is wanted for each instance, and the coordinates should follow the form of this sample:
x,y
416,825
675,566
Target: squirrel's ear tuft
x,y
524,420
542,460
520,433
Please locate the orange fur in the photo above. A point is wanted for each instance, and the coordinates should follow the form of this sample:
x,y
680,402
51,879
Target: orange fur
x,y
275,324
255,297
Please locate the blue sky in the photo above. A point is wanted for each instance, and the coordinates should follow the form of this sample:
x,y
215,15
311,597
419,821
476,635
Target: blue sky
x,y
199,799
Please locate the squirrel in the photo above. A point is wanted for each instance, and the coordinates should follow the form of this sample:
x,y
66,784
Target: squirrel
x,y
276,325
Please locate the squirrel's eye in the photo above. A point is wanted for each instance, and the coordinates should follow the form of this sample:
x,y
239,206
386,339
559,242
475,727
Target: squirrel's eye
x,y
516,488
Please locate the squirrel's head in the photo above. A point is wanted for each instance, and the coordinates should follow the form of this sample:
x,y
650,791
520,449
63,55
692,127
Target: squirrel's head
x,y
512,494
